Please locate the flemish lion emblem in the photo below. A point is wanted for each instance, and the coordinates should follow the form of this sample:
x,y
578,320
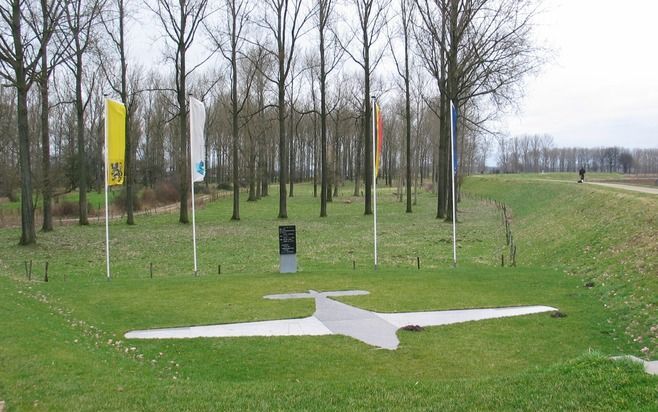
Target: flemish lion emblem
x,y
116,171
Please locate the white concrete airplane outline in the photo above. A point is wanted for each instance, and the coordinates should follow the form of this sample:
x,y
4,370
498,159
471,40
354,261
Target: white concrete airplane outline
x,y
336,318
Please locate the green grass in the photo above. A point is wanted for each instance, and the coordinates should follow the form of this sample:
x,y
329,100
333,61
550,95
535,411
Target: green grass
x,y
94,198
251,244
593,233
61,345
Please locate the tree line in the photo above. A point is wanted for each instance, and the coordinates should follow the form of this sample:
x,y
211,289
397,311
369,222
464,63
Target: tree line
x,y
287,85
538,153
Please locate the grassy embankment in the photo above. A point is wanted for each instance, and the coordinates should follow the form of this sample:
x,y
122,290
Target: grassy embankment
x,y
606,236
61,345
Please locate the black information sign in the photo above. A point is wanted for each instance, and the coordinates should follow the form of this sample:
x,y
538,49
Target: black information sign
x,y
287,240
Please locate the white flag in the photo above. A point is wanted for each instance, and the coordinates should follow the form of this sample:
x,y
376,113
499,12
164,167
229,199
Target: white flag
x,y
197,140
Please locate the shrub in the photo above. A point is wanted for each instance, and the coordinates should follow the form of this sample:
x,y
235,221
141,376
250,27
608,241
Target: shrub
x,y
166,192
201,188
67,208
121,199
149,198
225,186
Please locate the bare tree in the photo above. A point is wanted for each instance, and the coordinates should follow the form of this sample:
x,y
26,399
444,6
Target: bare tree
x,y
50,15
9,163
285,21
477,50
25,35
372,18
181,20
406,24
229,39
325,15
115,25
153,115
81,20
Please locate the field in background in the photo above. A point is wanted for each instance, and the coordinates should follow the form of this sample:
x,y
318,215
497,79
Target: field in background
x,y
61,347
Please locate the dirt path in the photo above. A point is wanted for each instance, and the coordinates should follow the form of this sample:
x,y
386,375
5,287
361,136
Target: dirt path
x,y
13,221
632,188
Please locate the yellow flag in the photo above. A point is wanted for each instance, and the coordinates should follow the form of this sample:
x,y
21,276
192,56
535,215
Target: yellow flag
x,y
379,135
115,137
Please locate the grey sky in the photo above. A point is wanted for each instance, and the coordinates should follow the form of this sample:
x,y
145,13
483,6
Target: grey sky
x,y
601,88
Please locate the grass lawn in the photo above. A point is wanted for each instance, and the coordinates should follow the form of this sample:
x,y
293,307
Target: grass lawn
x,y
96,199
61,344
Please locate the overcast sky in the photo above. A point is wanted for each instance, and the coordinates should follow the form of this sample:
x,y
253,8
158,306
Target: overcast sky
x,y
601,88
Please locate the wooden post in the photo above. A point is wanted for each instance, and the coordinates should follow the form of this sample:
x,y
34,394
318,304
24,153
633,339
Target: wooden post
x,y
418,261
151,269
514,256
45,278
502,260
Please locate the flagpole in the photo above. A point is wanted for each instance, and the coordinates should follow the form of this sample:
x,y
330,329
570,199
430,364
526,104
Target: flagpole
x,y
193,201
194,230
107,213
454,207
374,174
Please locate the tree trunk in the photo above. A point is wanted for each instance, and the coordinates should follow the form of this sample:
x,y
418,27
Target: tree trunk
x,y
252,171
323,126
28,234
45,134
182,114
291,147
452,96
128,167
442,178
407,114
357,164
283,152
367,138
234,130
80,132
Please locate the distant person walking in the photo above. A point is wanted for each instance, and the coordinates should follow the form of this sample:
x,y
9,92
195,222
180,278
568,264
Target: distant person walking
x,y
581,172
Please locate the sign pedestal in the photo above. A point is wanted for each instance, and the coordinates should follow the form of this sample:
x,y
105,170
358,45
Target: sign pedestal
x,y
288,264
287,249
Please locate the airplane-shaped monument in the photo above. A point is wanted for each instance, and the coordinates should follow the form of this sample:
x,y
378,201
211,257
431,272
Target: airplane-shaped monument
x,y
336,318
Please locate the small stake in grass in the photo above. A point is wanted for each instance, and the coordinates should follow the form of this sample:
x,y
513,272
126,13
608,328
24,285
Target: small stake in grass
x,y
418,261
502,260
219,270
29,276
45,278
151,269
354,265
514,256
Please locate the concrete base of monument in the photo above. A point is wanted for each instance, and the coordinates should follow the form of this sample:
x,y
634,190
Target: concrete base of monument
x,y
287,263
336,318
650,367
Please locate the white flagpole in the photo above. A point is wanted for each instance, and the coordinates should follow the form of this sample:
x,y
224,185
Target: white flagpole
x,y
194,231
454,208
193,202
374,174
107,213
